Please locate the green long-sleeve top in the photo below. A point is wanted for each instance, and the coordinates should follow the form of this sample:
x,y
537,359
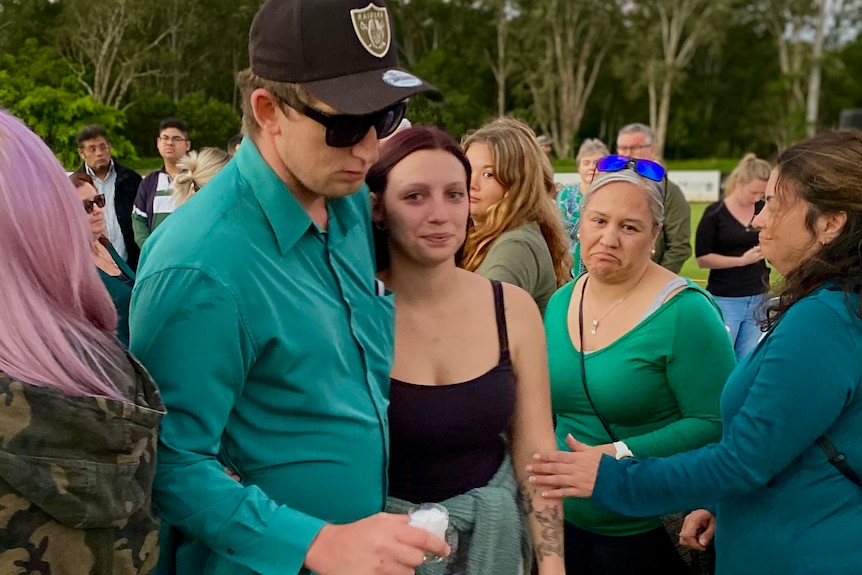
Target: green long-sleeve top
x,y
272,350
781,507
658,386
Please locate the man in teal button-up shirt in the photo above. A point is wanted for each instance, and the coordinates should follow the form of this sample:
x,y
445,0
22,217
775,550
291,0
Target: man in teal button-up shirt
x,y
257,313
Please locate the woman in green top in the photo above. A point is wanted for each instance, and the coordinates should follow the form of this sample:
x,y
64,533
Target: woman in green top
x,y
638,358
118,277
517,238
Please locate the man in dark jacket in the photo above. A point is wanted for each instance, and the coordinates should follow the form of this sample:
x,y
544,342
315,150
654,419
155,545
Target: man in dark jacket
x,y
119,185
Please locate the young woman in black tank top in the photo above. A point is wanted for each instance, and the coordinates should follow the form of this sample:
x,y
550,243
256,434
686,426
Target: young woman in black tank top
x,y
470,401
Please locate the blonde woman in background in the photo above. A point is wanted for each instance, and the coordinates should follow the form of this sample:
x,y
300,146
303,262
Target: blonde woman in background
x,y
198,169
518,237
729,248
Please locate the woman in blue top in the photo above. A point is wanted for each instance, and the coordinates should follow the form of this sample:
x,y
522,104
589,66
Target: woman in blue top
x,y
780,505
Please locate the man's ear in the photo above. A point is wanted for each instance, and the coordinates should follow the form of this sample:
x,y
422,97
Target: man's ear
x,y
829,226
265,109
81,154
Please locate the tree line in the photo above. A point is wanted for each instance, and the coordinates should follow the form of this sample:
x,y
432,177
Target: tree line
x,y
715,78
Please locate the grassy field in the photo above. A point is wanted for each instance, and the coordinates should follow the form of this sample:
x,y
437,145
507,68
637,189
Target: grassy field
x,y
689,268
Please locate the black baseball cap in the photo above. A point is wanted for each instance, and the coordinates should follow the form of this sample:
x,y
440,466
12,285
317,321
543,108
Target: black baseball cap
x,y
342,52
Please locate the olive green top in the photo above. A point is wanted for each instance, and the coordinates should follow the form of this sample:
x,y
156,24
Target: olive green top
x,y
521,257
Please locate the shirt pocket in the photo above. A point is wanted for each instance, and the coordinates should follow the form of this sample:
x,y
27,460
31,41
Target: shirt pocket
x,y
76,493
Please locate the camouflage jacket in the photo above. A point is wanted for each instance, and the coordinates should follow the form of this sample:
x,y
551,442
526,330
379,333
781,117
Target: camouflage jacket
x,y
75,478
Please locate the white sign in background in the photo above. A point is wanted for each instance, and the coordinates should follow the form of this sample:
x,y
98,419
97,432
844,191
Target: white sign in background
x,y
696,185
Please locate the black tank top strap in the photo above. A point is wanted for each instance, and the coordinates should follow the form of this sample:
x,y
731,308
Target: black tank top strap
x,y
502,331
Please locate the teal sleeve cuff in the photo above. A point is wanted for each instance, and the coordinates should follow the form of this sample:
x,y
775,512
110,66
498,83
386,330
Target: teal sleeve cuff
x,y
236,524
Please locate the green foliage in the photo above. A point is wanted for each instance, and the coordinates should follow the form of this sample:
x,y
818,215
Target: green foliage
x,y
39,89
210,122
147,109
463,107
842,85
57,116
21,20
731,98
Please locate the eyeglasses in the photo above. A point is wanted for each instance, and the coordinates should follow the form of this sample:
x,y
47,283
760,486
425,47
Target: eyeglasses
x,y
646,168
98,200
172,139
92,149
345,130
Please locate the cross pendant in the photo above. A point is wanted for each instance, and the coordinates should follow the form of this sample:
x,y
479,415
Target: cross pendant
x,y
595,326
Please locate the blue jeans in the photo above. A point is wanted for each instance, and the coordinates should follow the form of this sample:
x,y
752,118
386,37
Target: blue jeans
x,y
741,316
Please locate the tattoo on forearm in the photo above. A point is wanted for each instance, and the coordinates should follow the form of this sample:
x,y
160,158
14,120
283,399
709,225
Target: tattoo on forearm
x,y
548,521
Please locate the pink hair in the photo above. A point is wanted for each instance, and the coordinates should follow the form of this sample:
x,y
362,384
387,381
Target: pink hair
x,y
56,317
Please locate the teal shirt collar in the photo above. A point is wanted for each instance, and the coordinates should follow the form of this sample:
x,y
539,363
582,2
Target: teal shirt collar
x,y
287,219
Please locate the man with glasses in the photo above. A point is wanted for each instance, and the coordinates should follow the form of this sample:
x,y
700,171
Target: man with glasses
x,y
257,311
153,202
673,246
117,183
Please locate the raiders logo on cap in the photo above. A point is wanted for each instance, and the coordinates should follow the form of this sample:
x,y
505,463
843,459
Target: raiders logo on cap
x,y
371,25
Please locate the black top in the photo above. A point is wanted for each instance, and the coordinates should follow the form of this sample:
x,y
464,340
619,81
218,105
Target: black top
x,y
448,439
720,233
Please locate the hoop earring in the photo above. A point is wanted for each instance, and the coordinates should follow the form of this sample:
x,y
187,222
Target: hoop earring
x,y
379,225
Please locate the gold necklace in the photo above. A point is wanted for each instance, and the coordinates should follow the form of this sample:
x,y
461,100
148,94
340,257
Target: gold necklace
x,y
595,325
103,257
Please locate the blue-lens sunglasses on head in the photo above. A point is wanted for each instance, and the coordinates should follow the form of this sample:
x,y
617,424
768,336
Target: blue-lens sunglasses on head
x,y
646,168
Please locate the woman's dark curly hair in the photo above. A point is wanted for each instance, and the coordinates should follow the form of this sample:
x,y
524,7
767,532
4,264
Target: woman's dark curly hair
x,y
826,172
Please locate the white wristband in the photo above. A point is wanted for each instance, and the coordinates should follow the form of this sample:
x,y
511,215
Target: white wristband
x,y
623,450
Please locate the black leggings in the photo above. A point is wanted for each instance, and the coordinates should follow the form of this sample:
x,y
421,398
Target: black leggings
x,y
650,553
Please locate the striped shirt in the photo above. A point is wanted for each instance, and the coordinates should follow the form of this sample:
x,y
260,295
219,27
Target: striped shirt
x,y
153,204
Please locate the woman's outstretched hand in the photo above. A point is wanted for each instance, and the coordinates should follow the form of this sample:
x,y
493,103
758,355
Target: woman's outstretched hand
x,y
568,473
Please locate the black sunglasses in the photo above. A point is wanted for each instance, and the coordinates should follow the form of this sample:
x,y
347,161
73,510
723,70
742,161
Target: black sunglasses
x,y
345,130
98,200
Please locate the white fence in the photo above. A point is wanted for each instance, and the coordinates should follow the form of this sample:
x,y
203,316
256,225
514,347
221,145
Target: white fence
x,y
696,185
